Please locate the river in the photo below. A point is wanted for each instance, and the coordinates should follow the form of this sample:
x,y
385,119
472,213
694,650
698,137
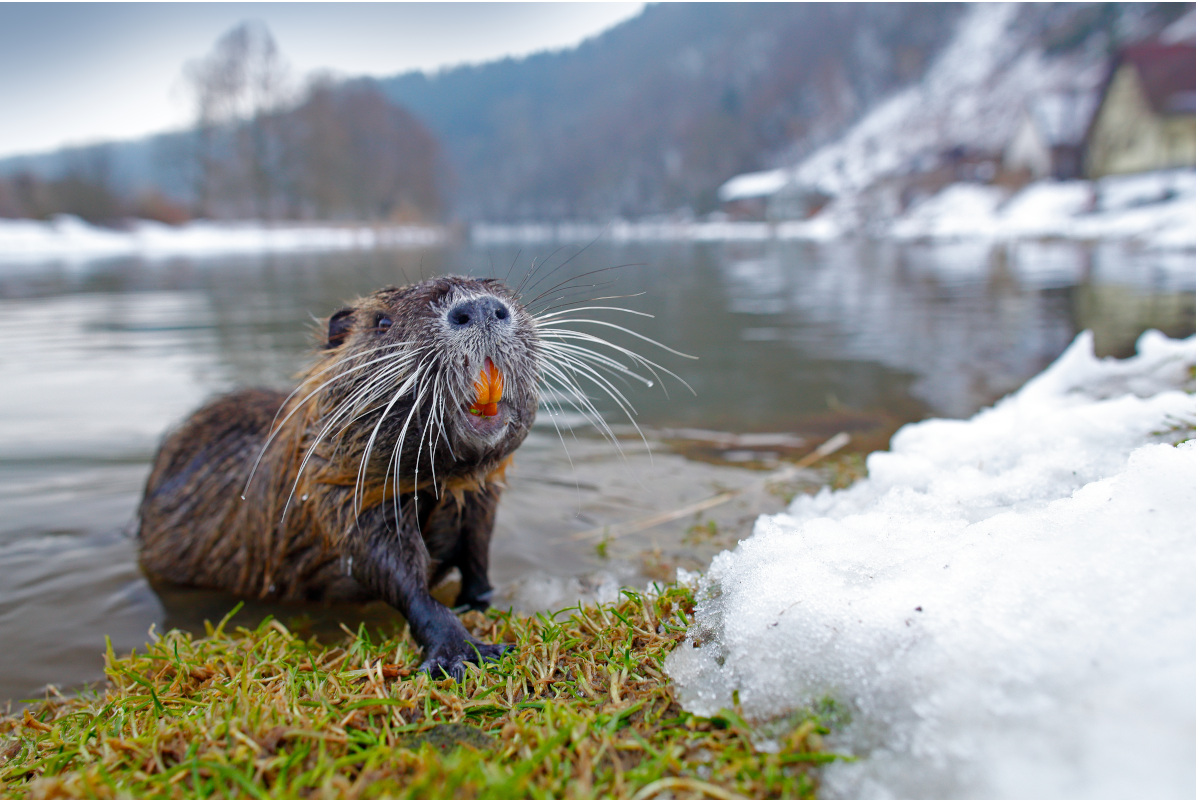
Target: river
x,y
794,343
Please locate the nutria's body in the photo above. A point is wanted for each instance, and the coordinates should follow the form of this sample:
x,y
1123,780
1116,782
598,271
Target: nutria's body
x,y
372,479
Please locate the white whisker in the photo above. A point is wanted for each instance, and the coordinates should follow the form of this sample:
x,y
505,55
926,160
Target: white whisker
x,y
539,318
576,397
638,359
559,322
277,424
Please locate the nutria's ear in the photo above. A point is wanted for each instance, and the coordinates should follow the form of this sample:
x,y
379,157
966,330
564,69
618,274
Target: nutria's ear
x,y
340,325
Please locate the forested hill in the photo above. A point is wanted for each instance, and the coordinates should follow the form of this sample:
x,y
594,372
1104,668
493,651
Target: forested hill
x,y
655,113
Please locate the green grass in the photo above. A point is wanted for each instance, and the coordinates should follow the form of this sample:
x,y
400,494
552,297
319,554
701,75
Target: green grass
x,y
581,708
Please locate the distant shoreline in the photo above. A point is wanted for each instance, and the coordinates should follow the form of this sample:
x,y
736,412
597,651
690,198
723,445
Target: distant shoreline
x,y
72,239
1153,211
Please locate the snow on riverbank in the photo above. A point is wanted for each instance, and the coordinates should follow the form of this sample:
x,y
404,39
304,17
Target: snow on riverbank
x,y
67,238
1005,606
1155,211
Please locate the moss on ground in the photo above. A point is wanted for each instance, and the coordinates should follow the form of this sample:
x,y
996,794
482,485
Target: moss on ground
x,y
580,708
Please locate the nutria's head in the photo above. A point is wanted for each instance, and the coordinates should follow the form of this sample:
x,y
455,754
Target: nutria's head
x,y
438,382
424,383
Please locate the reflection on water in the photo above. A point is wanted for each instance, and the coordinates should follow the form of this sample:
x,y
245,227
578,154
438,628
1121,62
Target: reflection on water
x,y
793,339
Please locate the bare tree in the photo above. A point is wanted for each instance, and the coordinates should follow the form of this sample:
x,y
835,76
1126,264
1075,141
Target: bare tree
x,y
344,152
86,187
364,157
240,91
323,143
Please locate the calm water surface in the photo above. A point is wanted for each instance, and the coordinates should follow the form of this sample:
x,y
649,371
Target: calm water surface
x,y
795,342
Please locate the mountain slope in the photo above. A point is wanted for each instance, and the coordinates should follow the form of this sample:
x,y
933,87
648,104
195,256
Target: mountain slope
x,y
655,113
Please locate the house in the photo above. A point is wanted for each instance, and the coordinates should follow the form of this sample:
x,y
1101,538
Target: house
x,y
1050,137
796,200
1146,119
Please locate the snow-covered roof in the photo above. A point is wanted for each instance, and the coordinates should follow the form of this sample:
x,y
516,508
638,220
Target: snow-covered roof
x,y
753,184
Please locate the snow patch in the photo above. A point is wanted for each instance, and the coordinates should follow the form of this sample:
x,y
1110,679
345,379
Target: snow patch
x,y
69,238
1156,210
1005,606
753,184
959,210
541,591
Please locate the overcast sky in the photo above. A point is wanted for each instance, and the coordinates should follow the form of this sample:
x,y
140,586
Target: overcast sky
x,y
79,73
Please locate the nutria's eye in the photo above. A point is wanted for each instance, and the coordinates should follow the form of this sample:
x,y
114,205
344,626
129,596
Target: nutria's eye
x,y
383,323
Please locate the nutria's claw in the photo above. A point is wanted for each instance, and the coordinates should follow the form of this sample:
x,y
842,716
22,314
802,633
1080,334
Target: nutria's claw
x,y
451,662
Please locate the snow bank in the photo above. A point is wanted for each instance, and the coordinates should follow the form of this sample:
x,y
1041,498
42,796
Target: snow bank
x,y
1156,210
959,210
70,238
1005,606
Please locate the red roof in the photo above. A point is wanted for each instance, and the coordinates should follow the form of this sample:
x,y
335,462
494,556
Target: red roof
x,y
1168,74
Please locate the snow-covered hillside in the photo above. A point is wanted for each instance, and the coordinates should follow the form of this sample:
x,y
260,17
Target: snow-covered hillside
x,y
973,93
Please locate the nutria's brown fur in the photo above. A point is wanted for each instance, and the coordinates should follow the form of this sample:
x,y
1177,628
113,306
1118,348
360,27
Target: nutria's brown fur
x,y
372,479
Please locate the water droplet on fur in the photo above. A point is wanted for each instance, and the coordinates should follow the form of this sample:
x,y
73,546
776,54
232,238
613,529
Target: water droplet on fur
x,y
303,497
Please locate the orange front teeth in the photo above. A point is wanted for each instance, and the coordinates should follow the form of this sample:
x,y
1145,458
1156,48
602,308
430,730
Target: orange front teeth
x,y
489,388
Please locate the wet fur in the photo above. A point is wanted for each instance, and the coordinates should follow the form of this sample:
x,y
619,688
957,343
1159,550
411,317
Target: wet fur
x,y
369,481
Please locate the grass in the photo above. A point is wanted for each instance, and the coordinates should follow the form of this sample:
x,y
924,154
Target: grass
x,y
580,708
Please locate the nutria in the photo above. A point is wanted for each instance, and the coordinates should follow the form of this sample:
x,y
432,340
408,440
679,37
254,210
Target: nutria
x,y
376,476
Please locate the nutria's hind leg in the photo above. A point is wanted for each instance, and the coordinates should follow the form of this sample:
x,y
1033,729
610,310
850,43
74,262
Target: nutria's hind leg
x,y
391,561
193,527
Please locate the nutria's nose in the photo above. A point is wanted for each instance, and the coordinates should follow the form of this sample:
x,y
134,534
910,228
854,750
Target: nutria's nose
x,y
480,311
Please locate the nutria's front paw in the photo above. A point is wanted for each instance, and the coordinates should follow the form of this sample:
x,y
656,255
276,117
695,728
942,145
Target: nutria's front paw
x,y
450,659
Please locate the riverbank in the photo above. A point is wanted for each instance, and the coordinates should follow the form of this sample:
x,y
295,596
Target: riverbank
x,y
580,708
68,238
1151,212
